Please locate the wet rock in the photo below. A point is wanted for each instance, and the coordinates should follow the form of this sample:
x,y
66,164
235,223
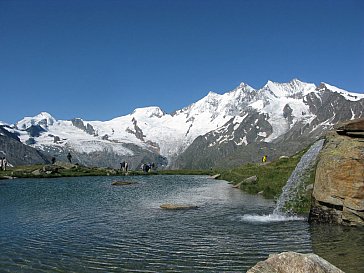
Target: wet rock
x,y
122,183
177,207
7,177
249,180
292,262
237,186
216,176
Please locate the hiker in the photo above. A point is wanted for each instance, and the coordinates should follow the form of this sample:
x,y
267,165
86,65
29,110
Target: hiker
x,y
124,166
53,160
1,163
69,157
145,168
4,163
264,159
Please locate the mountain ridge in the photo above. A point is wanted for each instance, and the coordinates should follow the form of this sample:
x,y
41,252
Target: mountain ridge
x,y
238,118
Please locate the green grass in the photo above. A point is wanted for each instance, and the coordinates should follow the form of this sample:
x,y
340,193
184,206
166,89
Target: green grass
x,y
272,177
30,171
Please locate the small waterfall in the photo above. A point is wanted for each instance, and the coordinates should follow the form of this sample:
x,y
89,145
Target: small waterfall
x,y
294,181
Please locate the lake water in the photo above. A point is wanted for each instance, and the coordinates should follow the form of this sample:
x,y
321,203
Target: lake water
x,y
87,225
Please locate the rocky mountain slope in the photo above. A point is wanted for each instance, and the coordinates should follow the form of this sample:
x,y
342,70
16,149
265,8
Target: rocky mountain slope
x,y
286,119
218,130
16,152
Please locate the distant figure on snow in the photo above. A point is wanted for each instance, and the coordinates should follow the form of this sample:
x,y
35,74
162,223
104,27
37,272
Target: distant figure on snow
x,y
69,157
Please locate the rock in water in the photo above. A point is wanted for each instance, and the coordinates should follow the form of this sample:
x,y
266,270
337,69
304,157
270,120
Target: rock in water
x,y
177,207
122,183
246,181
338,192
292,262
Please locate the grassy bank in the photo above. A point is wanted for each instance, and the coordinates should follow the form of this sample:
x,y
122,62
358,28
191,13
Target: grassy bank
x,y
271,177
69,170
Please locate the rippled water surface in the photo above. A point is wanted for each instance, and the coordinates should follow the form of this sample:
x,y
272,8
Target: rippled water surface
x,y
88,225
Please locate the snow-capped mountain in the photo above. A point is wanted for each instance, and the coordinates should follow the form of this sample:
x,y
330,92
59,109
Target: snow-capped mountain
x,y
237,126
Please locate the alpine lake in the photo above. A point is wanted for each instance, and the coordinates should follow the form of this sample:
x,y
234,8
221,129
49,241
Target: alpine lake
x,y
86,224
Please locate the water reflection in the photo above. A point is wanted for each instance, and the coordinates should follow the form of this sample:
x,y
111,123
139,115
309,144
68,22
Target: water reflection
x,y
341,246
88,225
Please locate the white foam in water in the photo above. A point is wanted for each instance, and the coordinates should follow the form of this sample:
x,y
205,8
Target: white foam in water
x,y
255,218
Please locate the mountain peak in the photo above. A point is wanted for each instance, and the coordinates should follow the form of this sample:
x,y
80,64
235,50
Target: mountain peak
x,y
245,86
150,111
212,94
43,119
295,86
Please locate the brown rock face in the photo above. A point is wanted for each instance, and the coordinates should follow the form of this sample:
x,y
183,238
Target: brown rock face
x,y
354,128
292,262
338,195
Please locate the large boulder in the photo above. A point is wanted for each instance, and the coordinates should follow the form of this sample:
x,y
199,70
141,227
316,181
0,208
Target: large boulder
x,y
338,194
292,262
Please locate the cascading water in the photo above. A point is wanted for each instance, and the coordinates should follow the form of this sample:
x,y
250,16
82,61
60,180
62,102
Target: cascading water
x,y
290,189
294,181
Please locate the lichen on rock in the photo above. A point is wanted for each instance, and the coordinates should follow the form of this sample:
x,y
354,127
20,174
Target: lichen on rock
x,y
338,195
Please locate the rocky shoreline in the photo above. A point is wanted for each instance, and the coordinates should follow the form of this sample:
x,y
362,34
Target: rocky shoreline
x,y
65,169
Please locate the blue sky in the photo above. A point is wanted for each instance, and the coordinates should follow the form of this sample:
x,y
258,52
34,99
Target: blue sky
x,y
99,59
